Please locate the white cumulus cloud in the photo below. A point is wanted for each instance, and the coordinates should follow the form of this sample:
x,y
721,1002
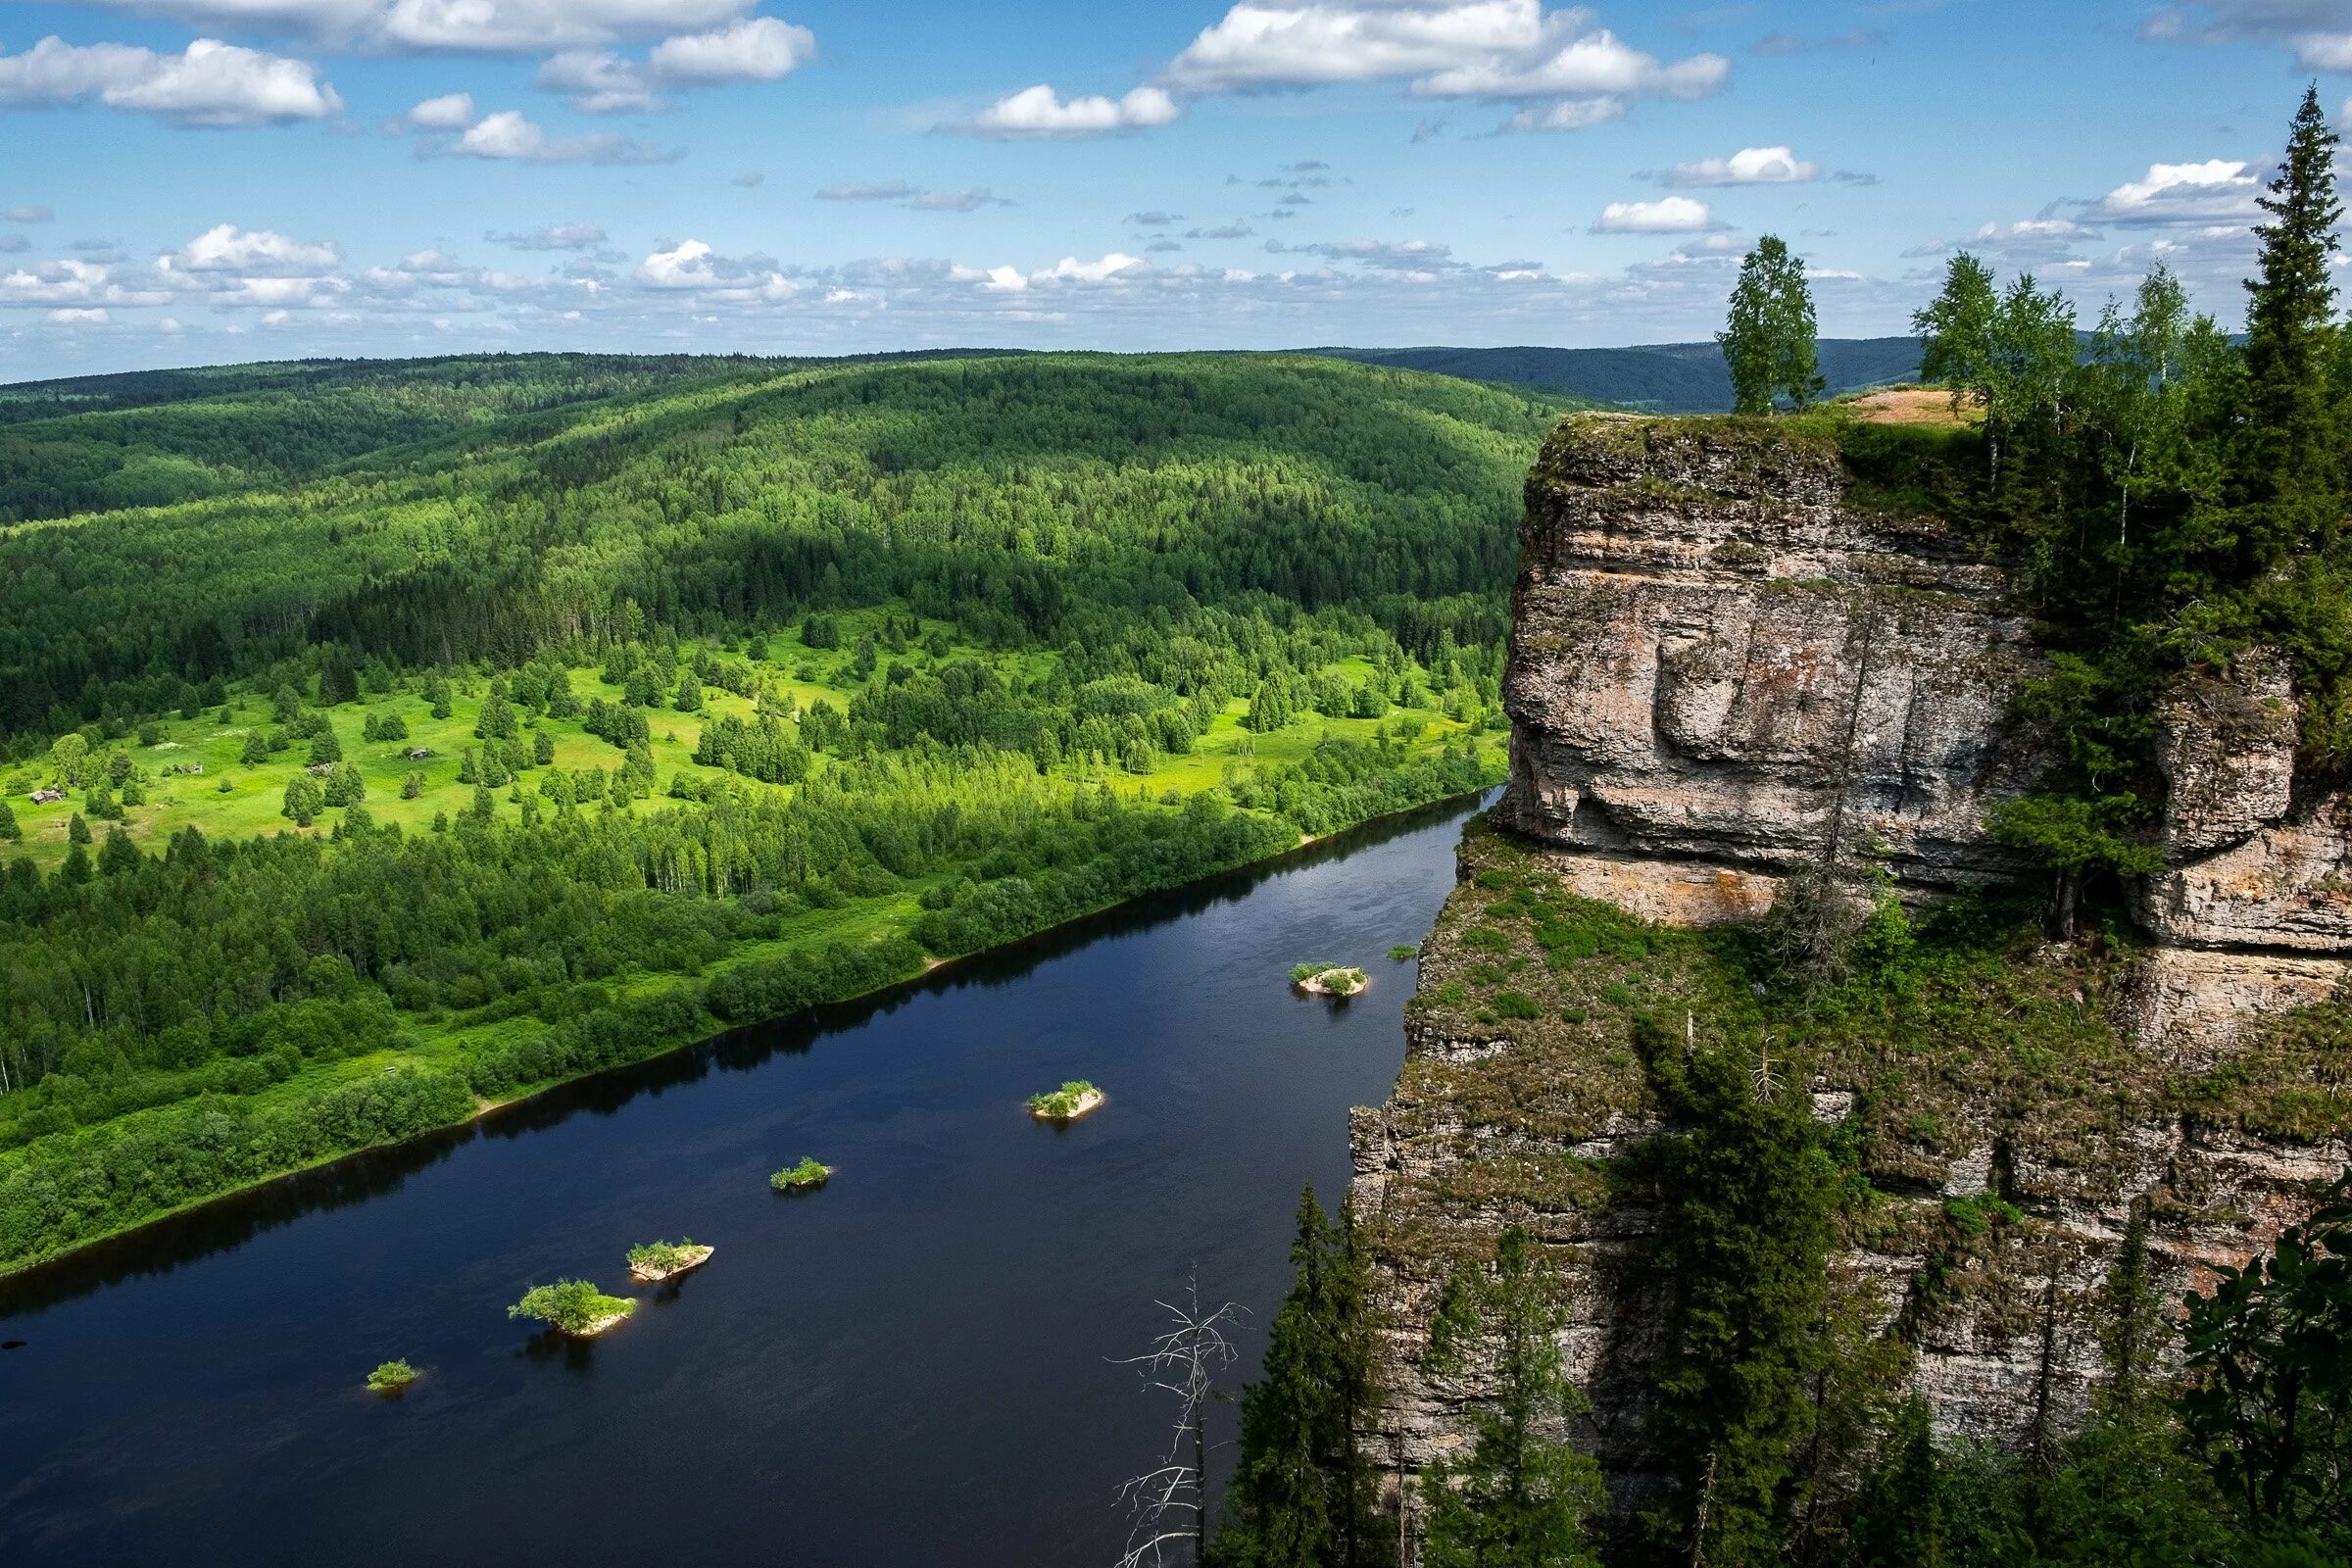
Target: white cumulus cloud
x,y
1256,46
693,266
209,83
452,111
1040,112
757,49
511,137
479,26
1669,215
1750,166
227,248
600,81
1116,266
523,25
1493,49
2218,190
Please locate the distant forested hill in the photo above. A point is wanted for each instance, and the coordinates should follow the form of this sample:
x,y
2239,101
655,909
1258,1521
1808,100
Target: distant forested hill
x,y
148,439
1669,378
455,509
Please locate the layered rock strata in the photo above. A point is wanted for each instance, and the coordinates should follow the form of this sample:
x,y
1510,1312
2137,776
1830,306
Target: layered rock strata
x,y
1724,668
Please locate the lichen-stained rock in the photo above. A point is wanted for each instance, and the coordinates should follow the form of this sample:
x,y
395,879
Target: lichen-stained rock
x,y
2226,750
1722,659
2286,886
1716,656
2189,1005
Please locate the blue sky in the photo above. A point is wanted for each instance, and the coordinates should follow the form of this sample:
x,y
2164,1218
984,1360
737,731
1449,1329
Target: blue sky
x,y
186,181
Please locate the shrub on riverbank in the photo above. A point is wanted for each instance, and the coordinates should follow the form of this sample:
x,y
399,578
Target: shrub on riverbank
x,y
573,1306
798,1178
1073,1098
391,1377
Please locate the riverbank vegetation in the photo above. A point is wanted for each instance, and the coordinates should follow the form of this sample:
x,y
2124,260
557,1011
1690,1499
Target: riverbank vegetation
x,y
800,1178
655,1262
1071,1100
1328,979
390,1378
573,1306
619,706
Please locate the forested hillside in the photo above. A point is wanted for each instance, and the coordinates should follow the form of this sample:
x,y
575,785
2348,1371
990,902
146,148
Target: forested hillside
x,y
606,701
153,437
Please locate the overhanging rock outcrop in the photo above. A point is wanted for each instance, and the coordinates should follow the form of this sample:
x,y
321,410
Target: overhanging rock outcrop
x,y
1722,666
1725,664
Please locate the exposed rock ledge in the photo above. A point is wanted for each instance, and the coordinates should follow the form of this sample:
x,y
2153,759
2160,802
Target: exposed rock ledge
x,y
1721,662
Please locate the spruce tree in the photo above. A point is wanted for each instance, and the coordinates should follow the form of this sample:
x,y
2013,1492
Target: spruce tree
x,y
1752,1197
1519,1498
119,854
1898,1515
2287,471
1302,1494
1768,341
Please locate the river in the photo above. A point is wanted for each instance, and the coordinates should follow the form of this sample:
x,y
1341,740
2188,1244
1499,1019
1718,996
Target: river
x,y
912,1366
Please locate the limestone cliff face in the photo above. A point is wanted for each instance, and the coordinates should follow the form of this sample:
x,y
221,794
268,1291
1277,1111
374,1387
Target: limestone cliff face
x,y
1721,662
1724,661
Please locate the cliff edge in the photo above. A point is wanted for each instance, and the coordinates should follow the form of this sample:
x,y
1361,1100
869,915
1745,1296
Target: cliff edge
x,y
1729,661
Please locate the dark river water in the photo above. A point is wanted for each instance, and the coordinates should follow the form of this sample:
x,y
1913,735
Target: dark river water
x,y
912,1366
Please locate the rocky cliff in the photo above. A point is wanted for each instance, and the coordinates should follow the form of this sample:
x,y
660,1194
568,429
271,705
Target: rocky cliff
x,y
1727,664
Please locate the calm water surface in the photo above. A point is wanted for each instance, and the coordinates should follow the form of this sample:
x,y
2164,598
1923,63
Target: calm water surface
x,y
909,1368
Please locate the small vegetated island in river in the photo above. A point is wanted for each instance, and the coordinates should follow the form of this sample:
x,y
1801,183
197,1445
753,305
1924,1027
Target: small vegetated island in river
x,y
1329,979
573,1306
390,1378
655,1262
1070,1101
801,1178
442,776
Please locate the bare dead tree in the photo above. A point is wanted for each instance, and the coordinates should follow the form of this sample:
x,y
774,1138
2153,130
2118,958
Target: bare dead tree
x,y
1169,1504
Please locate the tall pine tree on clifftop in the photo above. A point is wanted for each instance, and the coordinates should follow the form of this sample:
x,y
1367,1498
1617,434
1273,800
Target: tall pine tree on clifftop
x,y
2289,471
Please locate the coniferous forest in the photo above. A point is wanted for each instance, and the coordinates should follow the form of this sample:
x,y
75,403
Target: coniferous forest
x,y
384,740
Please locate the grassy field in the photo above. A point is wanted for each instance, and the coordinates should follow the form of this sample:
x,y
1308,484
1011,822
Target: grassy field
x,y
191,775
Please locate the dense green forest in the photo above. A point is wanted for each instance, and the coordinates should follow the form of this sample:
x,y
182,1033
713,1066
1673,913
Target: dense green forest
x,y
510,718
